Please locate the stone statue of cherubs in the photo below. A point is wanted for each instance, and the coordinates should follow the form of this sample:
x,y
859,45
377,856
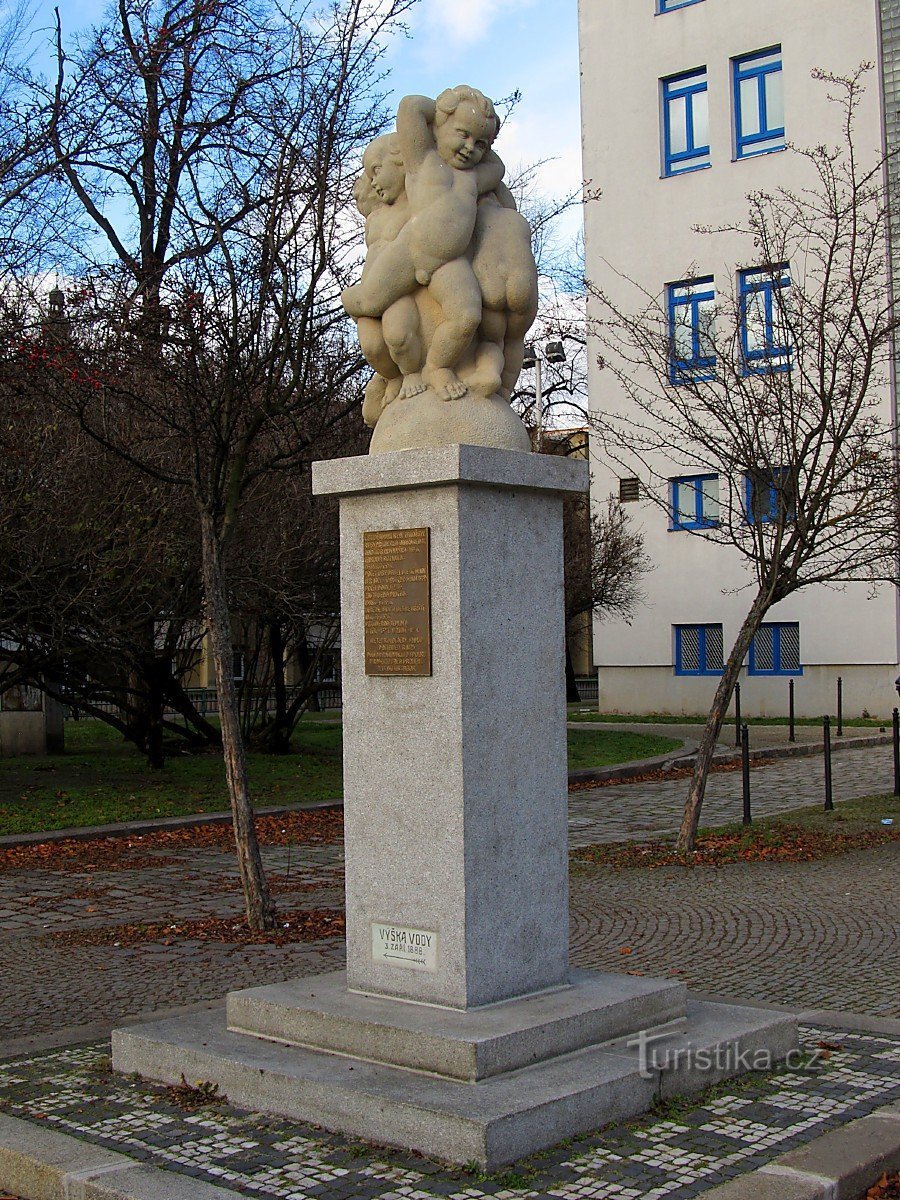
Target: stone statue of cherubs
x,y
449,285
445,146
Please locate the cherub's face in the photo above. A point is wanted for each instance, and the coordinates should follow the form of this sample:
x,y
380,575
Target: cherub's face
x,y
464,138
388,178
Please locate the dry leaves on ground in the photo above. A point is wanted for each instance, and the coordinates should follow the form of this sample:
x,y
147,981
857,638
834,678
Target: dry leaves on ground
x,y
887,1188
322,826
784,843
299,925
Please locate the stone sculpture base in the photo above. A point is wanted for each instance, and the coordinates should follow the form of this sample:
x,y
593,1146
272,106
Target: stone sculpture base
x,y
486,1047
425,420
487,1086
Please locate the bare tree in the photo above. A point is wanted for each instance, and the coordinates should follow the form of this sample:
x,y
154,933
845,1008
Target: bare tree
x,y
783,396
214,147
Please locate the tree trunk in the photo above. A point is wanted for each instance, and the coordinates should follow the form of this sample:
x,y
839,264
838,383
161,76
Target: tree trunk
x,y
257,898
280,732
687,834
153,669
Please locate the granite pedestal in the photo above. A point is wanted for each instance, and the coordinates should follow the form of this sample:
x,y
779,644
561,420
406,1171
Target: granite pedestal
x,y
458,1029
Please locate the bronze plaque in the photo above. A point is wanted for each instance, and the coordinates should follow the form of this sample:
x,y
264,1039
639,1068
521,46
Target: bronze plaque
x,y
397,601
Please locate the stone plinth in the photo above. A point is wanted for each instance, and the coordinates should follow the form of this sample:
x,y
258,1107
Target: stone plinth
x,y
458,1029
455,783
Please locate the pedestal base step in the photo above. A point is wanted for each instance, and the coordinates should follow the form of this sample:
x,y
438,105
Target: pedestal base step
x,y
319,1012
492,1122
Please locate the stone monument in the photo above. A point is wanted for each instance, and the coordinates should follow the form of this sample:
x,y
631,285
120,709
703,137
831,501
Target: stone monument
x,y
458,1028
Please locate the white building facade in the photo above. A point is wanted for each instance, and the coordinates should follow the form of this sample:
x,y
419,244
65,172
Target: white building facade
x,y
686,108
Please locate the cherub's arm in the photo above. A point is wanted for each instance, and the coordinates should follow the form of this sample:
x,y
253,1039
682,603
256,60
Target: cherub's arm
x,y
415,122
489,173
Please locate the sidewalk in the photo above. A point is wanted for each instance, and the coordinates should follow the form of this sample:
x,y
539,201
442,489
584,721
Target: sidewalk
x,y
808,936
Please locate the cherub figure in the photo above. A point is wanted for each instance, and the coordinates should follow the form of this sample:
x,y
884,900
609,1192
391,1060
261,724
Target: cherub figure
x,y
392,346
445,147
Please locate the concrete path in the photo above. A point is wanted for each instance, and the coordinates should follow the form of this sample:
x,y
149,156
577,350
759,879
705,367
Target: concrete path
x,y
820,935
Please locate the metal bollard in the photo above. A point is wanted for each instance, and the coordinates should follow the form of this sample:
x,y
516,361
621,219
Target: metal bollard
x,y
792,733
737,714
826,734
745,771
840,707
896,731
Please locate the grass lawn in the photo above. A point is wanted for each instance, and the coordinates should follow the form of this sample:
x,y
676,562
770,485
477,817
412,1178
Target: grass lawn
x,y
580,712
102,779
802,835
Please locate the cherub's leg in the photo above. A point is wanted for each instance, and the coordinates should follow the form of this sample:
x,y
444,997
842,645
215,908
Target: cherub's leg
x,y
376,351
456,290
484,378
402,332
389,277
513,351
373,400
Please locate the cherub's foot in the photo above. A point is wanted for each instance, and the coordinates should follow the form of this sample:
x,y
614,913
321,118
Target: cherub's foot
x,y
393,390
413,385
445,383
484,376
374,400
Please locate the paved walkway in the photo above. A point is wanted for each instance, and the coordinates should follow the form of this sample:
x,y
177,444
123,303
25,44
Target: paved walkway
x,y
817,935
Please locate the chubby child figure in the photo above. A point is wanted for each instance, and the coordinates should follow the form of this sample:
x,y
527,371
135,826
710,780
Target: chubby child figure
x,y
445,147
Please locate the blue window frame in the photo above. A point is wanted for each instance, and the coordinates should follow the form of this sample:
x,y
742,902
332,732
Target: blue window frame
x,y
692,305
685,110
775,650
765,340
695,502
698,649
758,103
770,494
670,5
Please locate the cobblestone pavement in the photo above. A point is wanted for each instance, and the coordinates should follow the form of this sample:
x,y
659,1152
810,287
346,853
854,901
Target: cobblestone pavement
x,y
679,1153
817,935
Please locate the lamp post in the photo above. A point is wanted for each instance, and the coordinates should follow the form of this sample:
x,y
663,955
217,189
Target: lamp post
x,y
553,352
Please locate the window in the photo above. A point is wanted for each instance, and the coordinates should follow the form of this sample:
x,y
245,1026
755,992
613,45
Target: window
x,y
698,649
775,650
695,502
669,5
629,489
758,103
771,493
692,330
237,665
765,339
685,123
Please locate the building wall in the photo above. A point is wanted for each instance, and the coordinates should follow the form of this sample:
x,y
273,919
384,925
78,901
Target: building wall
x,y
641,231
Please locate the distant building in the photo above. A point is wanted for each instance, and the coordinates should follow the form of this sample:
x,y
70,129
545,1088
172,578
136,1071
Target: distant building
x,y
686,105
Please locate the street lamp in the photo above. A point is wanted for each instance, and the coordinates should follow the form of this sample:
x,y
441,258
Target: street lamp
x,y
553,352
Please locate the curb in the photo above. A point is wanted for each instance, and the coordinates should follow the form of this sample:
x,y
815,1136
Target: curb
x,y
42,1164
839,1165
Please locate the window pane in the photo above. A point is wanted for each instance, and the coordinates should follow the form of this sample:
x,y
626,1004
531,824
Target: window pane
x,y
774,100
700,113
710,499
683,333
763,649
714,647
706,327
678,125
685,503
690,648
749,102
790,648
755,320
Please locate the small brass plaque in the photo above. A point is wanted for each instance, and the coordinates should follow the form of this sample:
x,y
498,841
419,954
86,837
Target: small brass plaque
x,y
397,601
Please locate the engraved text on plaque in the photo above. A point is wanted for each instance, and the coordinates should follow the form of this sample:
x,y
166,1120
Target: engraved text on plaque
x,y
397,601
